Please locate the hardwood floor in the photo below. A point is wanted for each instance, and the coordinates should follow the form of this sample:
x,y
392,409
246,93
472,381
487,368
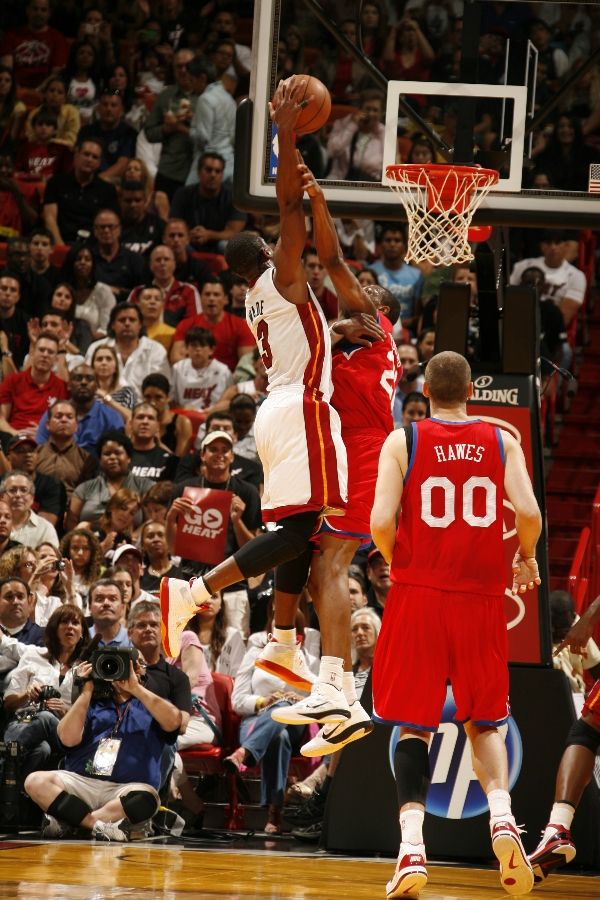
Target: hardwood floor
x,y
80,871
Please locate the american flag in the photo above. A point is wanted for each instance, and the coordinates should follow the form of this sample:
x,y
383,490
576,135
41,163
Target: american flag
x,y
594,183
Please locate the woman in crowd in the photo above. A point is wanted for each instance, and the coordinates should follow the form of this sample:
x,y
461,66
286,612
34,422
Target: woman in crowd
x,y
83,79
63,301
158,562
93,299
12,111
156,502
82,548
263,740
55,101
121,397
156,201
117,79
115,525
223,644
414,407
367,276
20,561
90,499
52,583
426,344
566,157
407,54
175,428
355,143
65,638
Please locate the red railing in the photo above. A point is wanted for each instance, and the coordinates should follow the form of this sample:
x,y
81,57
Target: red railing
x,y
579,576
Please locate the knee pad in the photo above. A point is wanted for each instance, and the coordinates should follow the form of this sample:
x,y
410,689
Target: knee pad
x,y
291,576
273,548
139,806
411,768
583,735
69,809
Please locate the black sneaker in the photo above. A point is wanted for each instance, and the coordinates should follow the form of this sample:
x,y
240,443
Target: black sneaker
x,y
309,812
310,834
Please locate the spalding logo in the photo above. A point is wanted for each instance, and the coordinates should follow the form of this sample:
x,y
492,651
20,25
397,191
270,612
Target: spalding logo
x,y
454,792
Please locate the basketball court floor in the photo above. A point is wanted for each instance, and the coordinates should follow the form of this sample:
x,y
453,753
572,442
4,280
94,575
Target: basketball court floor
x,y
63,870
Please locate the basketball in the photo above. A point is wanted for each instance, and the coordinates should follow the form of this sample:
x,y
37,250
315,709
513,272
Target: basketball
x,y
317,111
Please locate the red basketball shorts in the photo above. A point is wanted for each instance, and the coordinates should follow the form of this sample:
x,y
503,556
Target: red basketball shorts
x,y
429,636
363,449
591,707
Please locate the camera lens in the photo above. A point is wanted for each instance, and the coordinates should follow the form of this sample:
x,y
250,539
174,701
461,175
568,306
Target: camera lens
x,y
111,668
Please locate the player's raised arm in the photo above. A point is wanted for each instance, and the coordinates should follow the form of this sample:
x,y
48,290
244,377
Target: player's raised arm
x,y
328,247
388,492
528,519
284,109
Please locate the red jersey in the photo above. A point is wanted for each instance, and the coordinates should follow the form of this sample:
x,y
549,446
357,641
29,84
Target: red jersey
x,y
28,400
364,381
230,334
451,524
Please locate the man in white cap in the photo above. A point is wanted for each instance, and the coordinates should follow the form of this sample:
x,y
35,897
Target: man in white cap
x,y
129,558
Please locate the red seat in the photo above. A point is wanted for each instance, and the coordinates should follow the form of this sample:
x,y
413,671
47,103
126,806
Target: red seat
x,y
196,416
215,261
59,254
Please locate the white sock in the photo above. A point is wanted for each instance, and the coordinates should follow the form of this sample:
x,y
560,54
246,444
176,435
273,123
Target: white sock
x,y
285,635
411,826
562,814
199,591
499,803
349,687
331,671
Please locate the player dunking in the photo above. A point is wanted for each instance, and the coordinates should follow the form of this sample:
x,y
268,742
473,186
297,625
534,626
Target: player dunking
x,y
444,616
298,438
365,375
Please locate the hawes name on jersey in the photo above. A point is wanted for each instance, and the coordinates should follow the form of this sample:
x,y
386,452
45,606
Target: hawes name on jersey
x,y
452,452
255,311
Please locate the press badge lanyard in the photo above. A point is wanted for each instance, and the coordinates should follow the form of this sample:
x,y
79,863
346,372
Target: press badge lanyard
x,y
107,751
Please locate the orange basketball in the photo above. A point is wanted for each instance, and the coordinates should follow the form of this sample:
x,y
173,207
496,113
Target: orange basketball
x,y
316,112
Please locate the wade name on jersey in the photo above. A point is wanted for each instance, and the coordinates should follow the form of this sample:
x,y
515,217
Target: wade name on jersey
x,y
452,452
254,311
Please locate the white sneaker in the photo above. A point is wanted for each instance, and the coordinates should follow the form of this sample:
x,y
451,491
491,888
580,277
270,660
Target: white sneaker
x,y
177,606
109,831
410,876
332,738
325,703
286,661
516,873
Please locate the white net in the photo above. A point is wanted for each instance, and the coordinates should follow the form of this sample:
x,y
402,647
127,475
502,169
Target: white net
x,y
440,202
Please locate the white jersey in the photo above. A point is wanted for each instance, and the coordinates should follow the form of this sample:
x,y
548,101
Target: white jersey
x,y
560,282
199,388
293,339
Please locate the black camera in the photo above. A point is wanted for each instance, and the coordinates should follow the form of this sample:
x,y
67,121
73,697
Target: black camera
x,y
28,713
47,693
59,565
109,664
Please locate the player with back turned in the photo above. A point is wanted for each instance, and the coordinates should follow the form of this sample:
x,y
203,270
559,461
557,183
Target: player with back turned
x,y
437,519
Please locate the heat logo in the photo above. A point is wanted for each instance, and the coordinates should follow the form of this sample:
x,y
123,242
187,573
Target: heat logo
x,y
454,792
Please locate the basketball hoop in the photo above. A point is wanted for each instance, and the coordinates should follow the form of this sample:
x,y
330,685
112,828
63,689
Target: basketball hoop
x,y
440,201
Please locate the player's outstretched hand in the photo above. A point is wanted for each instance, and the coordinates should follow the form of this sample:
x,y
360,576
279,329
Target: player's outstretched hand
x,y
359,329
525,574
577,637
310,184
288,100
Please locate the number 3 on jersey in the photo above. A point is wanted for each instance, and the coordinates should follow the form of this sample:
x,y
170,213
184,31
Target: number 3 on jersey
x,y
262,335
449,491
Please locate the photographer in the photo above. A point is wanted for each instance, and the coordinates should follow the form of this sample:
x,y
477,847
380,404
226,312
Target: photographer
x,y
38,690
113,748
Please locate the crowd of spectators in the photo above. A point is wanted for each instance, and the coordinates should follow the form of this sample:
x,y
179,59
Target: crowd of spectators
x,y
128,373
